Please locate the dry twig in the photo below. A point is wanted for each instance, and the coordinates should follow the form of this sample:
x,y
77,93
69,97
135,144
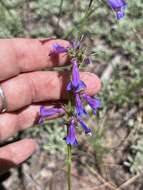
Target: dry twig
x,y
128,182
102,180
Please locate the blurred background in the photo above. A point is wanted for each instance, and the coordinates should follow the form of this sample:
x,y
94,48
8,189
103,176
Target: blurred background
x,y
113,157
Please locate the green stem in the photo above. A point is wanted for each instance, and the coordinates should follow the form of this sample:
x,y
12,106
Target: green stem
x,y
69,167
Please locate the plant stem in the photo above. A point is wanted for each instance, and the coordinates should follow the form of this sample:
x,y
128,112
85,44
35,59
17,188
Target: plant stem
x,y
69,167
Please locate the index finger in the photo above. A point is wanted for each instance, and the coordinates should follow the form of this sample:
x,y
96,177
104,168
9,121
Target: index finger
x,y
20,55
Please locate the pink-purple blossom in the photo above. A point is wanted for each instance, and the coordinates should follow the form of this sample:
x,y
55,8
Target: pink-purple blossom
x,y
75,84
71,136
44,112
80,110
86,129
87,60
56,49
119,7
93,102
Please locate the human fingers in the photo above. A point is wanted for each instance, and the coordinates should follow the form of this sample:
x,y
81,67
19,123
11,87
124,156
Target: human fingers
x,y
10,123
29,88
13,154
23,55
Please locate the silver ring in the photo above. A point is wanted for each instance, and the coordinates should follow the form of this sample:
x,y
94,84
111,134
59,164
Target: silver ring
x,y
3,100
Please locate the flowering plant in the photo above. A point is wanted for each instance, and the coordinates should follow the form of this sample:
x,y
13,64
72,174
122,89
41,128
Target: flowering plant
x,y
75,110
77,96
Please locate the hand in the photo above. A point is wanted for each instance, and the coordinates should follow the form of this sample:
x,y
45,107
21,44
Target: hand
x,y
26,87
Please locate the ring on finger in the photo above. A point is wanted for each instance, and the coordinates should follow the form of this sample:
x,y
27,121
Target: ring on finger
x,y
3,100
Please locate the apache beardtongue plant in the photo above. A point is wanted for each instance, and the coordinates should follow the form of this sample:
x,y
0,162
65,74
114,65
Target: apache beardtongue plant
x,y
76,89
75,109
77,97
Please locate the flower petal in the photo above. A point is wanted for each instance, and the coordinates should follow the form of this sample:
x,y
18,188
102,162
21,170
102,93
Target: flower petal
x,y
93,102
87,60
79,106
84,126
118,6
120,14
44,112
41,121
71,137
56,48
75,74
81,86
69,86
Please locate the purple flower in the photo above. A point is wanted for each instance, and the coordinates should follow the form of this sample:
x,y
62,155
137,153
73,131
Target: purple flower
x,y
75,84
58,49
44,112
87,60
93,103
41,121
71,137
73,44
76,44
118,6
79,107
84,126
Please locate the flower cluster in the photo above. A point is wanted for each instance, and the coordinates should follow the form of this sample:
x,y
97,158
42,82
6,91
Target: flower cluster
x,y
119,7
76,87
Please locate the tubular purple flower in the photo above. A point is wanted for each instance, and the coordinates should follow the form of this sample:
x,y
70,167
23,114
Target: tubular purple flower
x,y
93,103
44,112
87,60
71,137
76,44
79,107
56,48
75,73
41,121
73,44
75,84
118,6
84,126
